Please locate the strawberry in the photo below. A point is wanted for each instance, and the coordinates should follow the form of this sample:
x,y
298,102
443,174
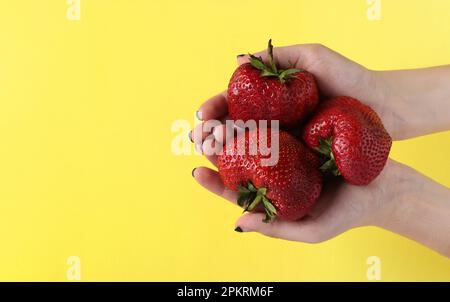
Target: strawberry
x,y
264,92
286,189
352,138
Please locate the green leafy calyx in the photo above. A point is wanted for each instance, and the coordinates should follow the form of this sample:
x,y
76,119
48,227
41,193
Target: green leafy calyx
x,y
250,197
270,69
325,148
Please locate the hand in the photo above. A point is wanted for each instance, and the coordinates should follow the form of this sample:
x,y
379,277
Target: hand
x,y
341,206
335,76
416,207
339,76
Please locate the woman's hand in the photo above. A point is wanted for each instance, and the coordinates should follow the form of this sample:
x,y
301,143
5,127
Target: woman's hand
x,y
399,199
340,207
415,206
335,76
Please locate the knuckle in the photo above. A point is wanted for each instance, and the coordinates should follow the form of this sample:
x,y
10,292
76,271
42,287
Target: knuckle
x,y
314,54
271,230
317,49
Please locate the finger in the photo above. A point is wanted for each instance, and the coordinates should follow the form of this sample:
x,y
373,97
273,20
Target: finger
x,y
214,108
203,130
221,131
289,230
210,180
211,149
226,132
298,56
206,144
311,230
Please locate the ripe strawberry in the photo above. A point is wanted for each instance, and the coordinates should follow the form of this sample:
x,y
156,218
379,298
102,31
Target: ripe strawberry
x,y
351,136
286,189
263,92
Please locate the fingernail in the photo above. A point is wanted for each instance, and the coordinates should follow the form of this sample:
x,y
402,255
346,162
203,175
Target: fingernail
x,y
198,114
190,136
240,56
238,229
193,172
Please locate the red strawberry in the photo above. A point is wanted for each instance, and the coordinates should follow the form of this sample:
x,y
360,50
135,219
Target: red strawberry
x,y
352,137
263,92
286,189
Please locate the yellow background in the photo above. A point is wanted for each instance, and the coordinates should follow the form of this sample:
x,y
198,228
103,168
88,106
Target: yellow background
x,y
86,109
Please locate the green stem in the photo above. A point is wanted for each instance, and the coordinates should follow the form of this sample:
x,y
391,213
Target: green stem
x,y
270,54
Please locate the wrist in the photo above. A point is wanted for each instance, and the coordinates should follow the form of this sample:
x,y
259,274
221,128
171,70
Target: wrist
x,y
390,198
417,208
396,209
388,102
384,91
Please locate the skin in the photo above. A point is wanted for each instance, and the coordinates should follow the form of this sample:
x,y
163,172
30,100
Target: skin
x,y
410,103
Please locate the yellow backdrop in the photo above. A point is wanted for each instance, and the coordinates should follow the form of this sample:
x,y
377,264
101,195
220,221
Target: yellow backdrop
x,y
87,101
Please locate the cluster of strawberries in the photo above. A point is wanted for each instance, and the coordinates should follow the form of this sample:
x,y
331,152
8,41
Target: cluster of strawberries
x,y
339,136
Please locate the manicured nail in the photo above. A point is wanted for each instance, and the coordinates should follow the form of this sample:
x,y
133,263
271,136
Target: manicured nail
x,y
199,115
190,136
240,56
193,172
238,229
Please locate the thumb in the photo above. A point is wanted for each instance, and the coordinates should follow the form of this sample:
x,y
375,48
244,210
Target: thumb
x,y
295,56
